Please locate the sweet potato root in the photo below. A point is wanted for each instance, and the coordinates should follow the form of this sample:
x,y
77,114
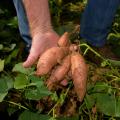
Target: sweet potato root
x,y
79,74
60,72
50,58
64,40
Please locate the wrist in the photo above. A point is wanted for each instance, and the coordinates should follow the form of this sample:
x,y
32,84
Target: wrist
x,y
46,33
41,30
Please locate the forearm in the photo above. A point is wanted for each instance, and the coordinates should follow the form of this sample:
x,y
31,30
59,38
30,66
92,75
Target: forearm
x,y
38,16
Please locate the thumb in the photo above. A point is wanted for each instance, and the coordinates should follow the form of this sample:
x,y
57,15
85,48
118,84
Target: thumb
x,y
32,58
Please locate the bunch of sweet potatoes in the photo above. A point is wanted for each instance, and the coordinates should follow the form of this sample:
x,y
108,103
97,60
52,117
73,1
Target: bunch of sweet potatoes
x,y
60,61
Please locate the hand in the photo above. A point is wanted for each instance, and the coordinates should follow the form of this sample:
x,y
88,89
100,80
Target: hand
x,y
40,42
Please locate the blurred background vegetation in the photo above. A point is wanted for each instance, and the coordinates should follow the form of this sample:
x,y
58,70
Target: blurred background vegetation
x,y
65,16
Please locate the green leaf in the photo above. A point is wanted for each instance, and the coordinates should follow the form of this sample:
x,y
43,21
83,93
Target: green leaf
x,y
11,56
39,91
89,101
6,83
19,68
11,110
68,27
114,62
54,96
12,46
100,86
106,103
27,115
9,82
21,81
105,63
35,79
117,111
32,94
3,86
40,84
2,96
1,65
1,46
69,118
37,94
13,23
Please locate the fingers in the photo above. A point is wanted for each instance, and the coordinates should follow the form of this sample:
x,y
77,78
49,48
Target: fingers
x,y
35,51
40,43
32,58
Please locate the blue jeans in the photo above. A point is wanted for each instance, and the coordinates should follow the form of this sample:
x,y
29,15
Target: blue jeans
x,y
23,22
96,21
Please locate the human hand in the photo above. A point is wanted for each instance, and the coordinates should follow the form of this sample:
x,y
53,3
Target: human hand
x,y
40,43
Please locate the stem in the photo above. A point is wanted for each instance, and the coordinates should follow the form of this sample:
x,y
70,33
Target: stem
x,y
85,51
85,112
89,48
58,102
53,108
17,104
90,117
67,92
116,79
80,108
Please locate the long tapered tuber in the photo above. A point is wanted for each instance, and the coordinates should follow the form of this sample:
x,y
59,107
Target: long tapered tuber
x,y
64,40
79,74
50,58
60,72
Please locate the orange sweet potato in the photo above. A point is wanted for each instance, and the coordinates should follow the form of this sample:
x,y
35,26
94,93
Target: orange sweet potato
x,y
79,74
50,58
64,40
59,73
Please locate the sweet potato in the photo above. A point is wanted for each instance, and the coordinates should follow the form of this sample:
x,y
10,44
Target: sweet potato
x,y
79,74
50,58
64,40
60,72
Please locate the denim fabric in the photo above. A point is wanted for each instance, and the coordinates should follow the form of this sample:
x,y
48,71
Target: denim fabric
x,y
97,19
95,23
22,22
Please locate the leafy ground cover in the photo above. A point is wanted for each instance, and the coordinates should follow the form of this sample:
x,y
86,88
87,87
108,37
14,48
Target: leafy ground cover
x,y
23,96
